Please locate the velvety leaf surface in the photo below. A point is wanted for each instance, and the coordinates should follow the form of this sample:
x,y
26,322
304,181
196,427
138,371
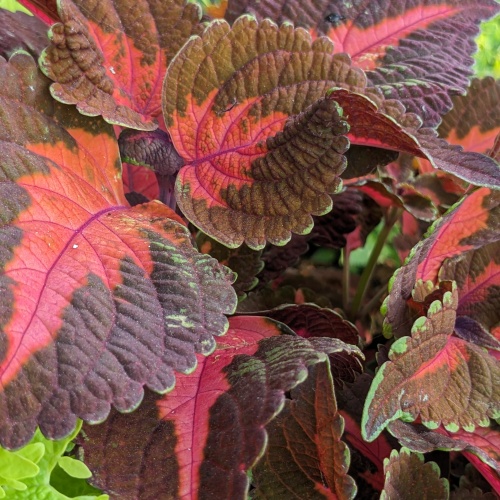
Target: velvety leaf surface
x,y
305,456
397,43
483,442
474,121
477,274
228,401
97,299
435,375
251,175
21,31
110,57
408,477
244,261
472,223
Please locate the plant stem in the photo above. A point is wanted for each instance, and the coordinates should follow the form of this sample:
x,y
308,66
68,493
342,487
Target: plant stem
x,y
346,278
389,221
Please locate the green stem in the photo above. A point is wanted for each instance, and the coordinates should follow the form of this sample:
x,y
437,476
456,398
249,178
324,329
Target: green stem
x,y
390,220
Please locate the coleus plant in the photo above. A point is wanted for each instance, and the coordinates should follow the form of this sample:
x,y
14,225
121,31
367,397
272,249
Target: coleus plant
x,y
157,165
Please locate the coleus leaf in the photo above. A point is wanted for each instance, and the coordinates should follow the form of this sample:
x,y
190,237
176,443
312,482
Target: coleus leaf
x,y
491,475
139,179
474,121
110,58
97,299
385,124
472,223
306,457
477,274
228,401
483,442
351,211
432,374
259,163
152,149
244,261
257,167
21,31
407,476
395,42
310,320
367,459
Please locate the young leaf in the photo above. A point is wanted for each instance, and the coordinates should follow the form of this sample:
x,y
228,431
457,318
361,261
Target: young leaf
x,y
97,299
432,374
206,434
306,457
109,58
244,108
44,483
407,476
395,42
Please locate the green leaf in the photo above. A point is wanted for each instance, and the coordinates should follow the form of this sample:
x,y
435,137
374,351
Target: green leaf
x,y
75,468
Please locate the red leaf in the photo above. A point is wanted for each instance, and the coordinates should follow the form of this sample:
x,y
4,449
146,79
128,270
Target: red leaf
x,y
471,224
110,58
367,459
474,121
434,375
215,417
492,476
386,125
483,442
251,175
305,456
98,299
46,10
396,41
141,180
477,274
